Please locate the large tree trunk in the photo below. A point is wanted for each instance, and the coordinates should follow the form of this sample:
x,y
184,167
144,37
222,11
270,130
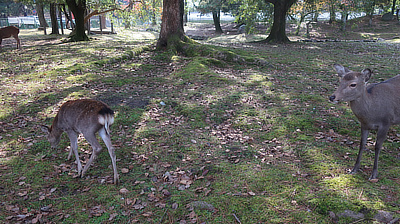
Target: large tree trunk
x,y
69,23
153,13
40,13
53,17
278,30
78,9
217,21
393,6
332,13
171,24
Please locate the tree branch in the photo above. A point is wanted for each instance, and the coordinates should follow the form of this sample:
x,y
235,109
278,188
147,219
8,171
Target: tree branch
x,y
97,12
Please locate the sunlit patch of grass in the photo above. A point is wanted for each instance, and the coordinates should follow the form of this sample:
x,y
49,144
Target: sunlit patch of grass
x,y
258,141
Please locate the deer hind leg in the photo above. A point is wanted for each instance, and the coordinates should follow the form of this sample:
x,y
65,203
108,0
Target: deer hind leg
x,y
111,151
73,137
91,138
18,42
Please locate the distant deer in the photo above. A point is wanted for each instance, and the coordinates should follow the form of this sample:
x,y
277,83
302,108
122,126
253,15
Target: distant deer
x,y
377,106
87,117
9,31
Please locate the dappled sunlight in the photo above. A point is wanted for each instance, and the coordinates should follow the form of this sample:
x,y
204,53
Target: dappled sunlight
x,y
258,138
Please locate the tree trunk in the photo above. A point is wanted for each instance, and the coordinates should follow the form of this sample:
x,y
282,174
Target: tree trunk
x,y
278,30
217,21
153,13
78,9
42,20
53,17
393,6
301,20
171,24
68,18
344,19
61,22
332,13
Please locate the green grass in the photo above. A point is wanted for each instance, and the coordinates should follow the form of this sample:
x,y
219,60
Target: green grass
x,y
259,142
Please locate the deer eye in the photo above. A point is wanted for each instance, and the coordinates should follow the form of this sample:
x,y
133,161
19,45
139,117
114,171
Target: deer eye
x,y
353,85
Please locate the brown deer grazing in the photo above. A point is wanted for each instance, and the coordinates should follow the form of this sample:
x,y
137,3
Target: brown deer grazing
x,y
87,117
377,106
9,31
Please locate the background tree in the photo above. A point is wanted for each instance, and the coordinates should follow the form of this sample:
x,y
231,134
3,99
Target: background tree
x,y
393,6
171,24
78,8
302,9
278,30
251,12
40,13
53,17
214,7
14,8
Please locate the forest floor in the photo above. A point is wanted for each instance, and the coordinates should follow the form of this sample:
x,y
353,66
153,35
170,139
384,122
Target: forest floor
x,y
357,29
242,135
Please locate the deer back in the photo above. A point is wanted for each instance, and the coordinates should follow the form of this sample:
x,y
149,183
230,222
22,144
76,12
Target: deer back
x,y
8,31
83,116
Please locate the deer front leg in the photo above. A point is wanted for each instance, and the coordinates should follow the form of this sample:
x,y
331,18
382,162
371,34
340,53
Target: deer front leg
x,y
364,135
380,138
111,151
73,137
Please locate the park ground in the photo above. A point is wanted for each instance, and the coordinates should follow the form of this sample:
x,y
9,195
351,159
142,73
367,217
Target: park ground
x,y
232,131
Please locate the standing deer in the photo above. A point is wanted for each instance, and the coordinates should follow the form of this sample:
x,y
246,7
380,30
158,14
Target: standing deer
x,y
87,117
377,106
9,31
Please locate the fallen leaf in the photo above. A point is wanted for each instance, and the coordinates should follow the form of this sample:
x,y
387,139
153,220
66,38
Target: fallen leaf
x,y
124,191
147,214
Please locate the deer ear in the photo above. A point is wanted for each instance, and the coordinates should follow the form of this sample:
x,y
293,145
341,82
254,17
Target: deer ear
x,y
45,129
341,70
367,73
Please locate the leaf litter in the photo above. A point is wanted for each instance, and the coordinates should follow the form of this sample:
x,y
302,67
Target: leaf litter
x,y
192,152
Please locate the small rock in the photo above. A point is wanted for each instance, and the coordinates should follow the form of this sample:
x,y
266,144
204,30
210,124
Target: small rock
x,y
351,214
383,216
202,205
387,17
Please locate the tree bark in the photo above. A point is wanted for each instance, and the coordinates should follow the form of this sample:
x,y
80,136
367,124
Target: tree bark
x,y
40,13
61,22
171,24
332,13
153,13
53,17
217,21
393,6
78,9
278,30
68,18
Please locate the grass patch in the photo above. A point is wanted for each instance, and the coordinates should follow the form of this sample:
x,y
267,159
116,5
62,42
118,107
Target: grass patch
x,y
248,130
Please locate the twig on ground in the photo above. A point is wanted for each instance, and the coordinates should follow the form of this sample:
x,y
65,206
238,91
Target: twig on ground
x,y
237,219
162,217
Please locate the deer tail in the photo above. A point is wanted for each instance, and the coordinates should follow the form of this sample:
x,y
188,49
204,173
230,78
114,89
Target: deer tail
x,y
106,118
